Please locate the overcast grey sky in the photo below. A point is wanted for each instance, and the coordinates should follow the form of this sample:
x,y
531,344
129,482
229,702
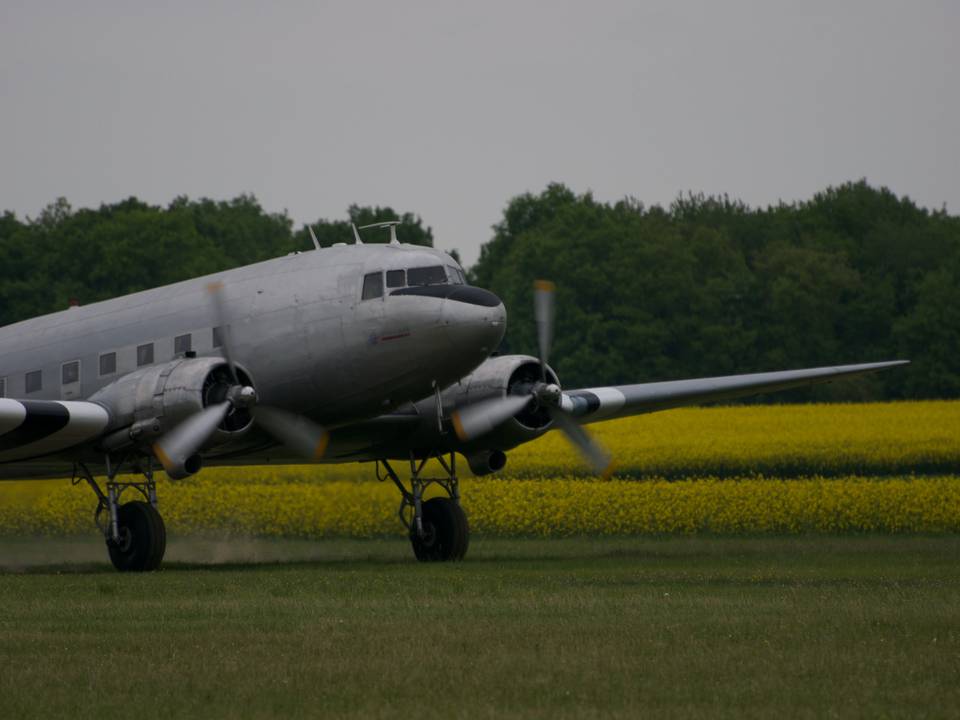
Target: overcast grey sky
x,y
449,109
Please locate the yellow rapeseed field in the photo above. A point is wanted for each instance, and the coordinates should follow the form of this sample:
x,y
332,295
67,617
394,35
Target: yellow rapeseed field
x,y
550,507
771,440
769,469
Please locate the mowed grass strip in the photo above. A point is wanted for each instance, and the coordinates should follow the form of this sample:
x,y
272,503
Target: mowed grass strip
x,y
681,627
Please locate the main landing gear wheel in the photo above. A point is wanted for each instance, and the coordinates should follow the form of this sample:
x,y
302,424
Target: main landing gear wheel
x,y
142,538
135,534
438,527
446,533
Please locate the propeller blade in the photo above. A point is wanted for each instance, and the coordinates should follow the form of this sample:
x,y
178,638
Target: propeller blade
x,y
177,448
543,296
220,311
597,457
298,433
480,418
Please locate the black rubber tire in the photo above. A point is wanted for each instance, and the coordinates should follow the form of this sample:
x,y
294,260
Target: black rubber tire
x,y
143,538
446,532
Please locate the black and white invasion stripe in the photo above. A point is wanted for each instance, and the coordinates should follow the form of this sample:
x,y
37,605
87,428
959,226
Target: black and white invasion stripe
x,y
29,428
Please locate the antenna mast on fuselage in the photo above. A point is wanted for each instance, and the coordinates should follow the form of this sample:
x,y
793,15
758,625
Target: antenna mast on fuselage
x,y
313,236
392,224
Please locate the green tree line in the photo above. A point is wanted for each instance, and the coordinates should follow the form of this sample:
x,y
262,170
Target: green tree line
x,y
706,286
710,286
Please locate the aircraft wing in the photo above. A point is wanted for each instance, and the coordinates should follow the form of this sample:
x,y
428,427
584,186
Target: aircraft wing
x,y
605,403
31,428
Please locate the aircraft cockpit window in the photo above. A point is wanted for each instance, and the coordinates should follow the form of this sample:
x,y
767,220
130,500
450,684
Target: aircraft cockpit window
x,y
433,275
372,286
396,278
456,275
108,363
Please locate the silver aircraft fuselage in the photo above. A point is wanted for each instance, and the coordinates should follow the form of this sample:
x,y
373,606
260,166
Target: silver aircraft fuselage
x,y
298,325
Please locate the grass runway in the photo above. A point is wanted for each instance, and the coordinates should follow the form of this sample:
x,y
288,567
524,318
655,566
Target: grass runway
x,y
849,626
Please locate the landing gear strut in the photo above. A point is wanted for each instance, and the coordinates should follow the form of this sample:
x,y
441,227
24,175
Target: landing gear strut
x,y
438,527
135,534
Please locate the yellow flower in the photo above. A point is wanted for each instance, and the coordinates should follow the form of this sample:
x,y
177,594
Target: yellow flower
x,y
769,469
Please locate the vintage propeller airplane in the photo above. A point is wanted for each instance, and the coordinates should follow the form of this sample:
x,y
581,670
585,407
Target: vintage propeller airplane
x,y
360,352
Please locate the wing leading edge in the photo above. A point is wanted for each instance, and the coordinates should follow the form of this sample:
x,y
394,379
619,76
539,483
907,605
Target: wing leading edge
x,y
605,403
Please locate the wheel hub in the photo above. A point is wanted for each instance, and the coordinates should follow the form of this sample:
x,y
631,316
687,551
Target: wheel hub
x,y
124,539
429,536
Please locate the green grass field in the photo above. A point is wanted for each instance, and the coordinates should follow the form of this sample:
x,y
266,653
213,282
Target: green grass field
x,y
852,626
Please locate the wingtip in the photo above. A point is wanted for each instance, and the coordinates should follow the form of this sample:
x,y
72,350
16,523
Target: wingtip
x,y
890,364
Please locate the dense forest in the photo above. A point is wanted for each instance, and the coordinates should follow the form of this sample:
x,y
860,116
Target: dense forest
x,y
710,286
707,286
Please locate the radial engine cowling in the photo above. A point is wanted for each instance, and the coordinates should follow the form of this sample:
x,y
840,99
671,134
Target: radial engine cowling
x,y
152,401
497,377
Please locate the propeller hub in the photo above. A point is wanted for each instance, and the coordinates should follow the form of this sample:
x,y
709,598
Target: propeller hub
x,y
548,394
242,396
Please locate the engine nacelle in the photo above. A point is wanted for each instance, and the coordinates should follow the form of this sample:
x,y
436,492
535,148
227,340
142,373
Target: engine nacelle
x,y
153,400
496,377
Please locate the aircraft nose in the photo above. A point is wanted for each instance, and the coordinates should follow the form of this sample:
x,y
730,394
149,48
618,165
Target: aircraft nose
x,y
475,319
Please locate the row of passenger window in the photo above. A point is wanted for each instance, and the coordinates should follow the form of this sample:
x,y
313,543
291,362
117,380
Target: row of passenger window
x,y
432,275
70,371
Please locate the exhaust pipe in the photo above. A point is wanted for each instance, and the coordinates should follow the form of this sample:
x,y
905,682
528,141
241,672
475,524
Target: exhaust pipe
x,y
486,461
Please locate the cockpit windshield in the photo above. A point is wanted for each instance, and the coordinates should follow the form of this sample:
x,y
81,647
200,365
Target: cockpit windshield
x,y
433,275
373,285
